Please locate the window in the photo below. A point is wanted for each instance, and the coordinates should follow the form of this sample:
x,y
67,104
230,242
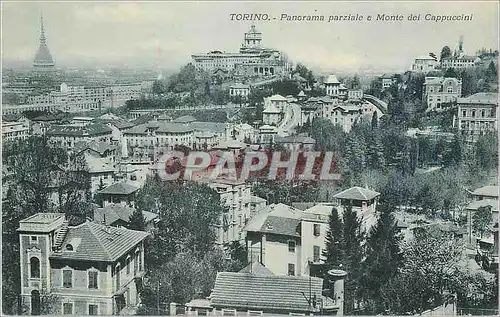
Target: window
x,y
67,278
34,267
473,113
291,269
67,308
450,89
316,250
93,275
316,230
128,265
291,246
93,309
464,113
34,239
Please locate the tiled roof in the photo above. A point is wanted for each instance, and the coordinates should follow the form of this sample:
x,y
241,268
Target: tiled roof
x,y
119,189
112,213
357,193
96,242
185,119
277,98
143,119
475,205
239,86
247,291
119,123
278,219
332,79
11,117
161,127
97,146
486,191
72,130
295,139
481,98
217,127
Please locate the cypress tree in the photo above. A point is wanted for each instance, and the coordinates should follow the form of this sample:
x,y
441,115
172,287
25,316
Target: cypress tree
x,y
382,261
333,252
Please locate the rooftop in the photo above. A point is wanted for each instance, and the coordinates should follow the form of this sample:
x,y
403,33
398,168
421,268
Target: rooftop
x,y
72,130
490,98
113,213
278,219
185,119
475,205
119,189
357,193
277,293
332,79
95,242
491,191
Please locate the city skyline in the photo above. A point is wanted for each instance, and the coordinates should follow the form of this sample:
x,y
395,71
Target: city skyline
x,y
165,34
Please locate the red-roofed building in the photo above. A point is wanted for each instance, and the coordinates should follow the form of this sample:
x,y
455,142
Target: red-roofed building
x,y
91,269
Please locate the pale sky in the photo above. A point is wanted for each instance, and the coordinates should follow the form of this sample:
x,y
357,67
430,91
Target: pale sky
x,y
165,34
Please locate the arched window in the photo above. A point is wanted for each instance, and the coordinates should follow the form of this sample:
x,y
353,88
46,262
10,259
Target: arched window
x,y
35,267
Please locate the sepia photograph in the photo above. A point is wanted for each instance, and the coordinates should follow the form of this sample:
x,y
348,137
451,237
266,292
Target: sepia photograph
x,y
244,158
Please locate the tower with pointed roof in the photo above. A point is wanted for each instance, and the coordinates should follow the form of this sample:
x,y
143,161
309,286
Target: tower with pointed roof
x,y
43,61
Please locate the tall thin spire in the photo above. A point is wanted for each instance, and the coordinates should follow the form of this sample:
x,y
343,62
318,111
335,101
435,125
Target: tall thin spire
x,y
42,31
43,59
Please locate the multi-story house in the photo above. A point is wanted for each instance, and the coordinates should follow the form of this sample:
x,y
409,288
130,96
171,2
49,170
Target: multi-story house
x,y
15,128
68,135
387,81
459,62
288,241
239,89
440,90
159,134
235,195
89,269
334,87
477,114
424,64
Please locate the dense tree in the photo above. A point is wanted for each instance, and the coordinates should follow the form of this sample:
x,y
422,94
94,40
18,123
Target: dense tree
x,y
383,259
187,216
481,220
137,221
333,252
43,179
435,266
486,151
445,52
352,239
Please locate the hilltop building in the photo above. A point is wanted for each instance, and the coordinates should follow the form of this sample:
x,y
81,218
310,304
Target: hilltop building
x,y
252,60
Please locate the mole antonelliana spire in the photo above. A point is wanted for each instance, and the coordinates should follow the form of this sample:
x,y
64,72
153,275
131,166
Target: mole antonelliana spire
x,y
43,59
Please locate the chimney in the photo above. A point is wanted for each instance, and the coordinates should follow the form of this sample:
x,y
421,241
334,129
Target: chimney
x,y
336,287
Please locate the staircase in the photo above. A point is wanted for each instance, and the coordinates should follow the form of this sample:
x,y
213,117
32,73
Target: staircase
x,y
61,234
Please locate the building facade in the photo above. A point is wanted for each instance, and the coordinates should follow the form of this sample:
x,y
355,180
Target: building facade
x,y
424,64
251,61
89,269
477,114
440,90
